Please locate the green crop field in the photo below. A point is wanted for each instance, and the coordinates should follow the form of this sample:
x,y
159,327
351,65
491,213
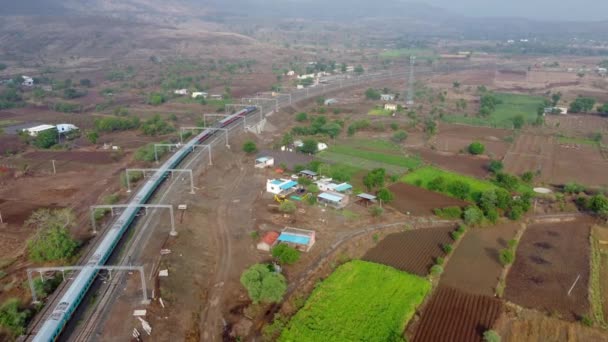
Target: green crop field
x,y
371,155
360,301
424,175
380,112
512,105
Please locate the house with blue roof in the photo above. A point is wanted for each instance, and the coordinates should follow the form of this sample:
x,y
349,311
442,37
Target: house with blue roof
x,y
281,186
333,199
343,188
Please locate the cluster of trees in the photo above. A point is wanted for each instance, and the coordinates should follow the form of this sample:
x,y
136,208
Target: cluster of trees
x,y
156,99
9,98
372,94
66,107
111,124
357,126
597,204
375,179
488,103
156,126
46,139
53,241
582,104
264,284
320,125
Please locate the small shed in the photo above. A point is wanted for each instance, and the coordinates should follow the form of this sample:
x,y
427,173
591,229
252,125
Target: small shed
x,y
268,241
308,174
365,200
34,131
387,97
264,162
300,239
330,102
216,97
181,92
198,94
65,128
333,199
390,106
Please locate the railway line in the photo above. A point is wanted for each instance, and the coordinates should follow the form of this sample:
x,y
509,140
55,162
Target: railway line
x,y
61,306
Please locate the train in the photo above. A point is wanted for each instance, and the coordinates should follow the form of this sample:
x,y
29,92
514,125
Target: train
x,y
63,311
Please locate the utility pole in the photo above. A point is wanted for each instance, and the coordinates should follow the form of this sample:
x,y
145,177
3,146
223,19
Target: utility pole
x,y
54,169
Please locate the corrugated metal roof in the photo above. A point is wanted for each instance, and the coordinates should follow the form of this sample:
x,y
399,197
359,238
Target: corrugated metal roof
x,y
288,185
331,197
308,173
343,187
367,196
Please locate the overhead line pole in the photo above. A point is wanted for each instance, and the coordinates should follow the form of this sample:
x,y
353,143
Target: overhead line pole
x,y
189,171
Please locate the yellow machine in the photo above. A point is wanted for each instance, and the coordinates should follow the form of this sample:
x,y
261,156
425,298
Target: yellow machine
x,y
280,198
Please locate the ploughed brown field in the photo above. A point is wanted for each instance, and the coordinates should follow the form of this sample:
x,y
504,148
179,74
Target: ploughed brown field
x,y
74,156
475,166
418,201
550,258
412,251
455,316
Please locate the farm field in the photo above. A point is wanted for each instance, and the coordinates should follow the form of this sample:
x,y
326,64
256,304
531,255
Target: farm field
x,y
424,175
461,163
376,155
411,251
577,125
380,112
455,138
549,259
420,202
512,105
478,251
74,156
558,162
360,301
600,235
452,315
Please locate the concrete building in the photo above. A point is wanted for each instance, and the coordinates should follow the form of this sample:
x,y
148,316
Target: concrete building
x,y
34,131
264,162
343,188
268,241
390,106
387,97
197,94
333,199
65,128
300,239
281,186
556,110
27,81
181,92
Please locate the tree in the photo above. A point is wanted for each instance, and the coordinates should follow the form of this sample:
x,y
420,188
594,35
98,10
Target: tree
x,y
376,211
301,117
582,104
92,136
12,317
359,69
399,136
506,256
287,139
309,146
573,188
491,336
332,129
430,127
456,84
53,240
249,147
285,254
46,139
156,99
263,285
555,97
473,215
527,177
459,189
603,109
287,207
495,166
507,181
476,148
385,195
488,200
374,178
437,184
372,94
518,121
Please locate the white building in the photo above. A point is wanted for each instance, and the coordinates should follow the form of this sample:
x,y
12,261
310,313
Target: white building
x,y
34,131
556,110
390,106
387,97
303,77
216,97
321,146
334,187
27,81
291,73
65,128
264,162
281,186
181,92
197,94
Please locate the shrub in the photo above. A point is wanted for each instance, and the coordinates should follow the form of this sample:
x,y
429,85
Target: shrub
x,y
385,195
301,117
439,261
436,270
399,136
309,146
53,240
156,99
476,148
13,318
447,248
459,189
46,139
372,94
507,181
110,124
495,166
506,256
491,336
456,235
527,177
473,215
395,126
263,285
450,213
285,254
376,211
249,147
287,207
156,126
573,188
586,321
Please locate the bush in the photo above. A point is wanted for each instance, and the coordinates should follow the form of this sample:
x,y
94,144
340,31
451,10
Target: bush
x,y
385,195
309,146
146,153
399,136
495,166
250,147
53,241
450,213
459,189
473,215
301,117
111,124
507,181
436,270
287,207
372,94
156,99
476,148
447,248
285,254
374,178
46,139
573,188
456,235
439,261
92,136
491,336
506,256
527,177
13,318
438,184
586,321
263,285
376,211
156,126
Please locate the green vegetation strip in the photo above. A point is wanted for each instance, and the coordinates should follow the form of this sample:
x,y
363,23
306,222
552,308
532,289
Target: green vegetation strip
x,y
354,163
502,117
380,112
424,175
377,156
580,141
595,285
360,301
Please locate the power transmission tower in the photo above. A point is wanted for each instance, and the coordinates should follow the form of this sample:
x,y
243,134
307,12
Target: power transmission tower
x,y
410,90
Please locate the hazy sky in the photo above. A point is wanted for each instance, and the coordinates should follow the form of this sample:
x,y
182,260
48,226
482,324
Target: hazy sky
x,y
535,9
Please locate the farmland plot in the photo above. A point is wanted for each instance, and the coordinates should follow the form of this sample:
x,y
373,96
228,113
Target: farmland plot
x,y
455,316
412,251
418,201
551,259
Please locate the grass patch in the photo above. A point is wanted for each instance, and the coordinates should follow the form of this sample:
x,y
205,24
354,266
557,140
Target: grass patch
x,y
595,281
502,117
375,144
377,156
580,141
380,112
424,175
360,301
